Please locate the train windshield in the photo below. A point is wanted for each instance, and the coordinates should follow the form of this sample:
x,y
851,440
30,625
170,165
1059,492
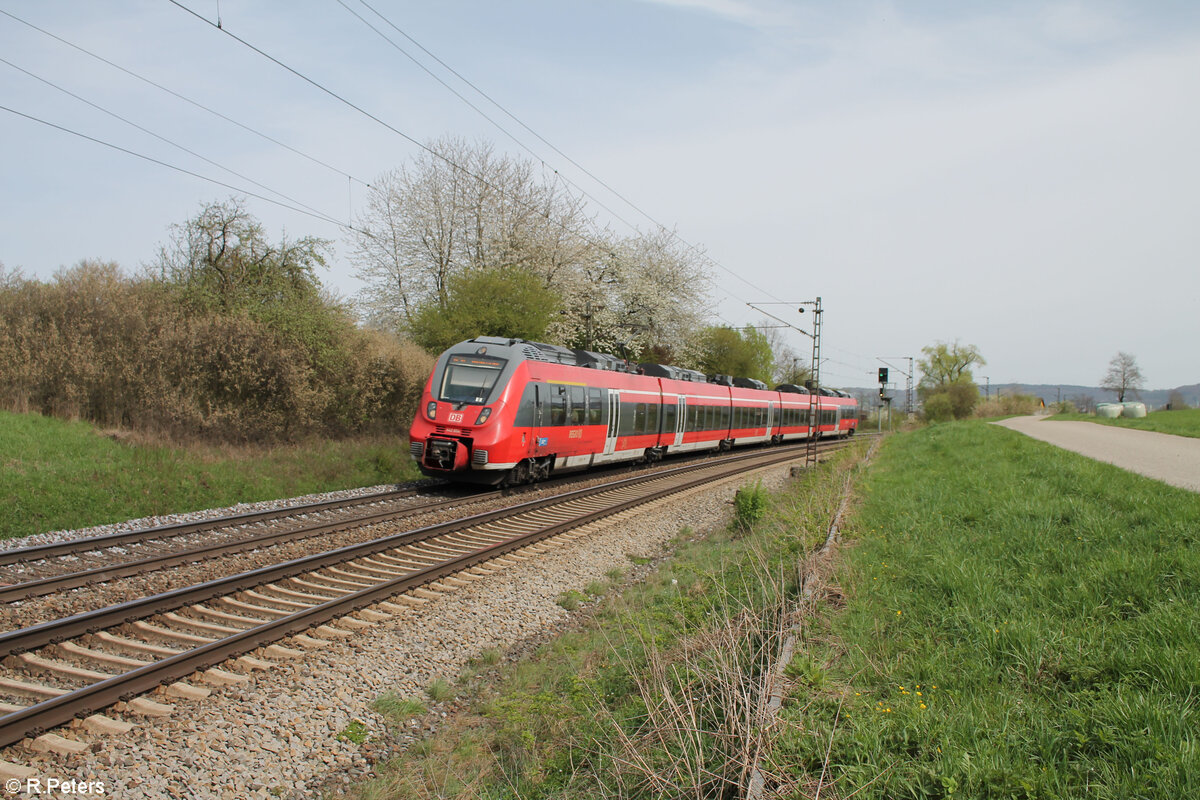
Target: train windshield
x,y
469,379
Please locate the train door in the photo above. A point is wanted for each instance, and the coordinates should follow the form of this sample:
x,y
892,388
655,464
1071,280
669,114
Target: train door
x,y
680,419
770,416
614,413
537,441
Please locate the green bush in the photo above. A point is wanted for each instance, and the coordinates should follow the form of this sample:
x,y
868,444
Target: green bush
x,y
139,353
749,506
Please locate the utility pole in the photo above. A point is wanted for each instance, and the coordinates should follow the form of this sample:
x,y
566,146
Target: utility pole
x,y
813,385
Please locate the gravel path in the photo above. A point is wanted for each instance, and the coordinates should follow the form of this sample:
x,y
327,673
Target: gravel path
x,y
1171,459
278,736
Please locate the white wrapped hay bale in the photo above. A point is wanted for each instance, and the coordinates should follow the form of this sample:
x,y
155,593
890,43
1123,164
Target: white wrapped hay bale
x,y
1134,410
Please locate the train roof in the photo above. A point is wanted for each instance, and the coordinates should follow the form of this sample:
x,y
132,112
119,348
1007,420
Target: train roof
x,y
556,354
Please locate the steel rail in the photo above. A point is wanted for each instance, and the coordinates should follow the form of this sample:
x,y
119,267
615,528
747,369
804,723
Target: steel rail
x,y
123,569
35,719
38,587
52,631
87,544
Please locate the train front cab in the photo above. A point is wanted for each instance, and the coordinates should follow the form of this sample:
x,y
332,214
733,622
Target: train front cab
x,y
468,406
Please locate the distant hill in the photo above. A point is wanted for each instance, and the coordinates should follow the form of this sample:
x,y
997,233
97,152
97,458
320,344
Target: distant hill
x,y
1050,392
1153,398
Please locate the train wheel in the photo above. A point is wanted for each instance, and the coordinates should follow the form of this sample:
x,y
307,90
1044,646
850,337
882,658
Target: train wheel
x,y
519,474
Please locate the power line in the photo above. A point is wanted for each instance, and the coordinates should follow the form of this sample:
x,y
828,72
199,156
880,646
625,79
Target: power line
x,y
474,107
153,160
545,141
185,99
164,139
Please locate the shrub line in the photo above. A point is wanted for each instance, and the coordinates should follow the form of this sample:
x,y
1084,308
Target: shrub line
x,y
775,676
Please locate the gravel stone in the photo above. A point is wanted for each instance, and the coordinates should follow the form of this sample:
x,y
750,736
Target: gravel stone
x,y
281,734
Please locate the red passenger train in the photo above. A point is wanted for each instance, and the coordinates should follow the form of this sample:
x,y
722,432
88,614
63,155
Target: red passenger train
x,y
511,411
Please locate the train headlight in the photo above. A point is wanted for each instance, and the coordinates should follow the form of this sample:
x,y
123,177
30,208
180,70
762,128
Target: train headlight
x,y
431,409
483,416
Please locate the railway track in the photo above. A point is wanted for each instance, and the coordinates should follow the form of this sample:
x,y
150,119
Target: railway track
x,y
44,569
40,570
69,668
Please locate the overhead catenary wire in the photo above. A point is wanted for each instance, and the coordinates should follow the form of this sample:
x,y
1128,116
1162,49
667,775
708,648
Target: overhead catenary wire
x,y
186,99
669,231
476,108
440,156
174,167
165,140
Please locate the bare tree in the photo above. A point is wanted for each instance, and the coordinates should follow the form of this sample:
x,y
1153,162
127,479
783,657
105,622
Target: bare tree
x,y
1123,376
458,208
1084,403
1176,401
464,208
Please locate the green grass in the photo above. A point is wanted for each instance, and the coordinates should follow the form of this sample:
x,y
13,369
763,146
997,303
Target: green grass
x,y
693,635
397,708
61,475
1185,422
1020,622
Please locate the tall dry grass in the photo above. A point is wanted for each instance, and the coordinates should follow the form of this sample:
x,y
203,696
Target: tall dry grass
x,y
1007,405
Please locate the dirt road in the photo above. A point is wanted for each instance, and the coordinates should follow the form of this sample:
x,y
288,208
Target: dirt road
x,y
1171,459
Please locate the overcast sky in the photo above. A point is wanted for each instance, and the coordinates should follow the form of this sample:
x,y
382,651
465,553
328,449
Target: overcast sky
x,y
1022,176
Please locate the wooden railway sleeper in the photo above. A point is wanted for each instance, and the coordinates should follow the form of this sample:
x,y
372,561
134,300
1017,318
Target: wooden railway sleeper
x,y
79,651
318,598
385,573
356,584
279,601
391,568
36,689
199,624
400,562
63,668
432,551
214,613
251,607
171,635
137,646
471,540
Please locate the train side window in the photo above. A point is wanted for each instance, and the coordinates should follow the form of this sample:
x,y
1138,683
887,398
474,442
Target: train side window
x,y
578,409
652,418
595,413
527,411
668,416
691,418
639,418
626,426
558,406
710,418
725,418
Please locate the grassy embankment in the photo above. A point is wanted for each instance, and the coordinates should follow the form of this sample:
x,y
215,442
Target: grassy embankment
x,y
1018,622
653,694
59,475
1021,622
1185,422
